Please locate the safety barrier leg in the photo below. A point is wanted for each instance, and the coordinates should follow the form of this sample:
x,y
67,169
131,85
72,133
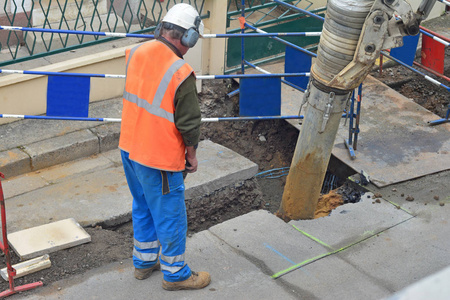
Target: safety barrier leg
x,y
442,121
5,248
352,142
350,115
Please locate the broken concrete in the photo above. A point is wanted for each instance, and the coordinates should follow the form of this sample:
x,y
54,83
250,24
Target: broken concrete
x,y
354,222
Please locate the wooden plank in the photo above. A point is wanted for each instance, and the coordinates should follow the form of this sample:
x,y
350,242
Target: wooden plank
x,y
28,267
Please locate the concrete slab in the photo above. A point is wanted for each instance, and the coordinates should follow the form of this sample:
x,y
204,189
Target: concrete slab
x,y
108,136
403,254
395,143
433,287
48,238
96,197
34,180
22,184
353,222
107,133
218,167
62,149
114,156
333,278
66,170
233,277
428,194
111,108
32,131
28,267
267,241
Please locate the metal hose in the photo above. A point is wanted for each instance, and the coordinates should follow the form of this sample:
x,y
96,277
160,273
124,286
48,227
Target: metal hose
x,y
340,35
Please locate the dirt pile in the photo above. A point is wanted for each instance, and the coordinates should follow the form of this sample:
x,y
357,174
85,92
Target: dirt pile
x,y
327,203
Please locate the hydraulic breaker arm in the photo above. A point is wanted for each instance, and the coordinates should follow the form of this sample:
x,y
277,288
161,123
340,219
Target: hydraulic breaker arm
x,y
425,8
382,30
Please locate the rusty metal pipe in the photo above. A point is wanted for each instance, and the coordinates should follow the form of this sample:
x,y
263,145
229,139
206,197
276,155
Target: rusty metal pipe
x,y
312,153
344,21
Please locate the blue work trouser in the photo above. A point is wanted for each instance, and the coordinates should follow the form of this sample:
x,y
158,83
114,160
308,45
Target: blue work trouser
x,y
159,218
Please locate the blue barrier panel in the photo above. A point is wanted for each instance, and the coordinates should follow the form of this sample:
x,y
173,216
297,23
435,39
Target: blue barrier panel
x,y
68,96
407,52
297,62
260,97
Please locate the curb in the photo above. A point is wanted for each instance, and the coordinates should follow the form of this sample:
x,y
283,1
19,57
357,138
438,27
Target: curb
x,y
60,149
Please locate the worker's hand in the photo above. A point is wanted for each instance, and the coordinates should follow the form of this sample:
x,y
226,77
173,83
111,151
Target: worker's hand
x,y
191,160
193,164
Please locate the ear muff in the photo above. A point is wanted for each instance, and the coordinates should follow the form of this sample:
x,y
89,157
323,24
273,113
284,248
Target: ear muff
x,y
190,38
191,35
157,32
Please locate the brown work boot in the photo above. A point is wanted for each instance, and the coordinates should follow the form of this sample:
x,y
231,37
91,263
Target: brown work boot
x,y
145,273
196,281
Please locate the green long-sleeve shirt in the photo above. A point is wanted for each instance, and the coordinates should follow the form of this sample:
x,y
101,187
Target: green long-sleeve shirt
x,y
187,112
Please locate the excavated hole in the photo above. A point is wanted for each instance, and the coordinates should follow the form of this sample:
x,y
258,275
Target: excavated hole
x,y
270,144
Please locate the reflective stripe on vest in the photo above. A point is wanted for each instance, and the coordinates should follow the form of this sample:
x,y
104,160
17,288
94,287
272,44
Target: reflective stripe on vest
x,y
155,108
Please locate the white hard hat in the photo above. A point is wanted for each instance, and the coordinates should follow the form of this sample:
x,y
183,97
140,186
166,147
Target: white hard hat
x,y
185,16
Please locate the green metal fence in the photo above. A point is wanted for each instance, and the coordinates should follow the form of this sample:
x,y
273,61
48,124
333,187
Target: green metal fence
x,y
271,17
130,16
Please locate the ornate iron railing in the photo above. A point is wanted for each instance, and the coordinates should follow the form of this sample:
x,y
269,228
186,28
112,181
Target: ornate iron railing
x,y
271,17
130,16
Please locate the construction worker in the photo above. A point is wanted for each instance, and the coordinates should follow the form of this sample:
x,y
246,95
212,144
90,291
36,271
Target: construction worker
x,y
159,136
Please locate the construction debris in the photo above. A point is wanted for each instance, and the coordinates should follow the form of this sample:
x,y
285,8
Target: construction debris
x,y
28,267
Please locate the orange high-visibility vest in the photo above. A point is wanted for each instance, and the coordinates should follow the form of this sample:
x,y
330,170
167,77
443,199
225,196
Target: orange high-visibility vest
x,y
148,131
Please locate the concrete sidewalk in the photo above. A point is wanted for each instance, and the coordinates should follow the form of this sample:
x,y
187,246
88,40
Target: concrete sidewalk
x,y
367,250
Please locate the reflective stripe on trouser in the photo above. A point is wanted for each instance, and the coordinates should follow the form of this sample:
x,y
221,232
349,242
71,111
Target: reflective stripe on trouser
x,y
145,254
158,217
